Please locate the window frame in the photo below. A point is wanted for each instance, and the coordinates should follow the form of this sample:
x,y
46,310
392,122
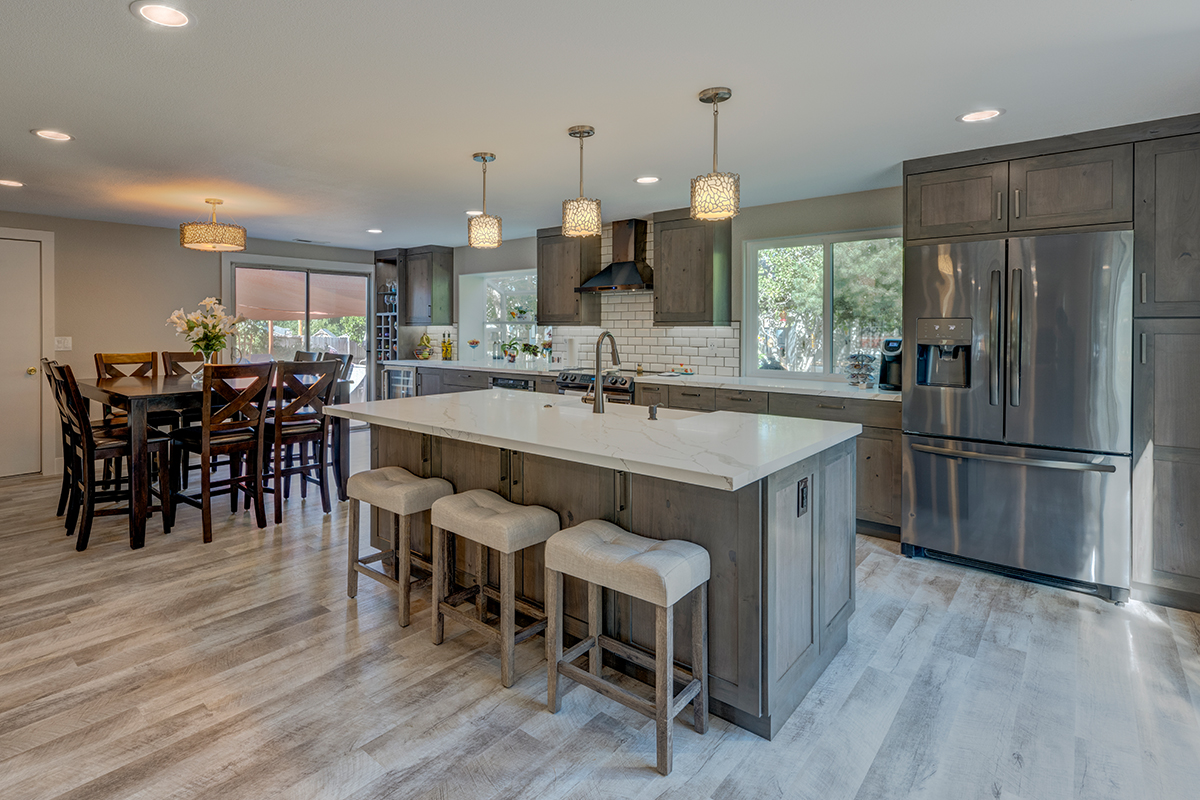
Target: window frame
x,y
750,248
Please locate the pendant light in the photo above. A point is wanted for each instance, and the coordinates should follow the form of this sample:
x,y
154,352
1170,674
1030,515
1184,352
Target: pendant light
x,y
212,235
716,195
483,230
581,217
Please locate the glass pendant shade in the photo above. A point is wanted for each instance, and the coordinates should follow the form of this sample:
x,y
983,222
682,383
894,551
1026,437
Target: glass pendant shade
x,y
581,217
212,236
483,232
716,195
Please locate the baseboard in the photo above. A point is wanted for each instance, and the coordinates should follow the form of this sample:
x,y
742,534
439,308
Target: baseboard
x,y
878,530
1159,595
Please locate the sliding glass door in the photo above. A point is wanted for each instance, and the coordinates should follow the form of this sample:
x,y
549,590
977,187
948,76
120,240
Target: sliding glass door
x,y
291,310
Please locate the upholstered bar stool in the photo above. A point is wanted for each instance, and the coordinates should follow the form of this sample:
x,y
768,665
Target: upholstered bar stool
x,y
661,572
492,523
395,490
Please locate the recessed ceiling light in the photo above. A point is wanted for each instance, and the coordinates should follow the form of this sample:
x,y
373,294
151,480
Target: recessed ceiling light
x,y
14,184
159,14
647,179
982,115
374,230
54,136
474,213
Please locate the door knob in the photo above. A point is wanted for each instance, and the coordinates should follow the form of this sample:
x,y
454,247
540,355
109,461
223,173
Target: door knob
x,y
31,371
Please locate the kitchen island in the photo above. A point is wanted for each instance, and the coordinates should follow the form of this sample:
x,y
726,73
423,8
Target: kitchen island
x,y
770,498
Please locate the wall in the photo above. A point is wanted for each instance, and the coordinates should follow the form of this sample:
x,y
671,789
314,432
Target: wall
x,y
116,284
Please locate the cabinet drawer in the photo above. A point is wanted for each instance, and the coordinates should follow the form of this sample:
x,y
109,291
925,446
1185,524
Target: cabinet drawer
x,y
464,379
692,398
649,394
738,400
873,413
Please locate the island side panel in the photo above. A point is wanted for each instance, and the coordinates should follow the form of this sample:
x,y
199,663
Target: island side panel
x,y
729,526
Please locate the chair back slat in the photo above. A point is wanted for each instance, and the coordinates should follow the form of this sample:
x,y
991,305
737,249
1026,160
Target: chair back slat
x,y
127,365
175,362
306,355
243,407
347,362
73,410
298,400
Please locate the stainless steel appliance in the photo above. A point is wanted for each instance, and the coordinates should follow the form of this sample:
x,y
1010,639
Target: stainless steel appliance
x,y
890,364
513,382
1017,406
399,381
617,387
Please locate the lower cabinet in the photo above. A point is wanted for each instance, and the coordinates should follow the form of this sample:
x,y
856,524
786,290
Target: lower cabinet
x,y
878,476
648,394
1166,458
429,381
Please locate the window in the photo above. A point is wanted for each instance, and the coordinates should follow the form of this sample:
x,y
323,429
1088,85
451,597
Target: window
x,y
812,301
510,310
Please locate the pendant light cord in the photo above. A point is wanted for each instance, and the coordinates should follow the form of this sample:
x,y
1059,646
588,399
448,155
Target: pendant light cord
x,y
581,166
715,106
485,187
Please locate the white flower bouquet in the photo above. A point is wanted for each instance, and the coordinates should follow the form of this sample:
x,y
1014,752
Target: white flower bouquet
x,y
207,328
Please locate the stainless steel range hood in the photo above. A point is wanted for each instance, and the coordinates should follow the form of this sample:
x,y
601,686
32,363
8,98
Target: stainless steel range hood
x,y
629,271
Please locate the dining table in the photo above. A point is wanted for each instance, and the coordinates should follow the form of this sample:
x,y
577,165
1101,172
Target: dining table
x,y
139,397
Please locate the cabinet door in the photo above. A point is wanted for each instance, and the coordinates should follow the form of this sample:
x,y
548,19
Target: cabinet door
x,y
878,476
682,274
419,290
956,202
1166,229
1166,455
1085,187
647,394
429,381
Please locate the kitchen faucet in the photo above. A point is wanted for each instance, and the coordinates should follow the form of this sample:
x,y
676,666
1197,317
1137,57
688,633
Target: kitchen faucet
x,y
598,384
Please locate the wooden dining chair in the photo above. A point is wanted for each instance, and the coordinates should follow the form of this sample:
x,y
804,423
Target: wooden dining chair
x,y
307,355
231,424
127,365
181,362
347,362
302,390
88,444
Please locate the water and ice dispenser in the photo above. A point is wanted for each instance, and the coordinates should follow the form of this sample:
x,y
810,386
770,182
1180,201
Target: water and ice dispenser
x,y
944,353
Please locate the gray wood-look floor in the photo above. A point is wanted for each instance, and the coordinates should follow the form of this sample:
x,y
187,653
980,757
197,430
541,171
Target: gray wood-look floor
x,y
240,669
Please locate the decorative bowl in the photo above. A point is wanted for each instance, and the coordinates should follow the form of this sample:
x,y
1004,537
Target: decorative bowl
x,y
423,352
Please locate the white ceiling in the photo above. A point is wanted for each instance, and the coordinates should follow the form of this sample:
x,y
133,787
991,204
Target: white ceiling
x,y
318,119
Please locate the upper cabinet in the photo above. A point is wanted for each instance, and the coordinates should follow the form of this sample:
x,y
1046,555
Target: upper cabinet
x,y
957,202
429,286
691,269
1082,187
1166,238
1086,187
563,264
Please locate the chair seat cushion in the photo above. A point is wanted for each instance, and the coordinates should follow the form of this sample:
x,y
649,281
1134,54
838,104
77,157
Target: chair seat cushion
x,y
397,490
190,437
658,571
293,428
487,518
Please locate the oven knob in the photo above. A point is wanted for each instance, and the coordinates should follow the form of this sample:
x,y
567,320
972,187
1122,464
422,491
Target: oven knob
x,y
623,381
563,377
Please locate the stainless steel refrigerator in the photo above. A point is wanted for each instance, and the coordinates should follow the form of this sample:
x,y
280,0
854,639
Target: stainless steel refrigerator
x,y
1017,406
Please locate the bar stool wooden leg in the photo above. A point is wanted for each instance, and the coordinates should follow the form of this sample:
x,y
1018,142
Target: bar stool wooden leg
x,y
481,579
554,639
352,546
664,682
595,658
700,657
403,545
508,618
440,558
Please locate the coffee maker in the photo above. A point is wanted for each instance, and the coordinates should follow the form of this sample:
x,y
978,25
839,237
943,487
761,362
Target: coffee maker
x,y
889,364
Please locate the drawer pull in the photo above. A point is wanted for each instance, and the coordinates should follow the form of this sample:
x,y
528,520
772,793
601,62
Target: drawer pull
x,y
690,394
836,408
743,399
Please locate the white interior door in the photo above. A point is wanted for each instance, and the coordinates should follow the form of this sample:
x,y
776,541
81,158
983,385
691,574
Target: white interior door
x,y
21,332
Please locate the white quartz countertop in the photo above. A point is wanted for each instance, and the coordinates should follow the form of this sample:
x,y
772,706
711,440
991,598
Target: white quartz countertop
x,y
722,450
783,385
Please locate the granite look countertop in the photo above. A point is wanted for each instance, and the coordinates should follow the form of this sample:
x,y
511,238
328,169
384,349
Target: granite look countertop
x,y
722,450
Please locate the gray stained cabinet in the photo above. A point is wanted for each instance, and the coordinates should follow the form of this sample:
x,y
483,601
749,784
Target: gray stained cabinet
x,y
1166,230
956,202
1166,458
429,286
429,381
563,264
1080,187
691,270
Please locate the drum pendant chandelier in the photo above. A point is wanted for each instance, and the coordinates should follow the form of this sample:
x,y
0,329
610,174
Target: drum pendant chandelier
x,y
581,217
212,236
483,230
716,195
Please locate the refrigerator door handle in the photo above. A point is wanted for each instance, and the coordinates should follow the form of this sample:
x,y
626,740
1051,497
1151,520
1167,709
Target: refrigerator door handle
x,y
1014,338
1047,463
994,340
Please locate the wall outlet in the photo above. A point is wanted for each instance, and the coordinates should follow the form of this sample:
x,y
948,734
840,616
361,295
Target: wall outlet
x,y
62,343
712,347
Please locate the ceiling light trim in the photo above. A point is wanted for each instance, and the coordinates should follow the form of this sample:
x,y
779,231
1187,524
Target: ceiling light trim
x,y
11,184
138,7
981,115
51,135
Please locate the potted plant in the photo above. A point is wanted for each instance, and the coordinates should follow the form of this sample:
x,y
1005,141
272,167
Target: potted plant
x,y
206,329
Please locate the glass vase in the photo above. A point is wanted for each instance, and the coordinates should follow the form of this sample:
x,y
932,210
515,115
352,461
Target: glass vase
x,y
198,374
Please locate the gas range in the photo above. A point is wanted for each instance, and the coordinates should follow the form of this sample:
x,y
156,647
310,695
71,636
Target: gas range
x,y
579,380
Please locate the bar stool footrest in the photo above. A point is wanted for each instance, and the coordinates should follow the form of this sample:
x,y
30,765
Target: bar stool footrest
x,y
609,690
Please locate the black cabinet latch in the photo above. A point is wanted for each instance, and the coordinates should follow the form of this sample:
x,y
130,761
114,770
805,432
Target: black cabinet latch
x,y
802,497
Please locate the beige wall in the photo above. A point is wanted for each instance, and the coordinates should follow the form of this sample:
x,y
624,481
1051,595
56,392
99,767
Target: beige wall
x,y
115,285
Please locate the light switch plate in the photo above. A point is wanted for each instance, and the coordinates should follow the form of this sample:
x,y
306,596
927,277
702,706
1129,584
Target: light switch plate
x,y
62,343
